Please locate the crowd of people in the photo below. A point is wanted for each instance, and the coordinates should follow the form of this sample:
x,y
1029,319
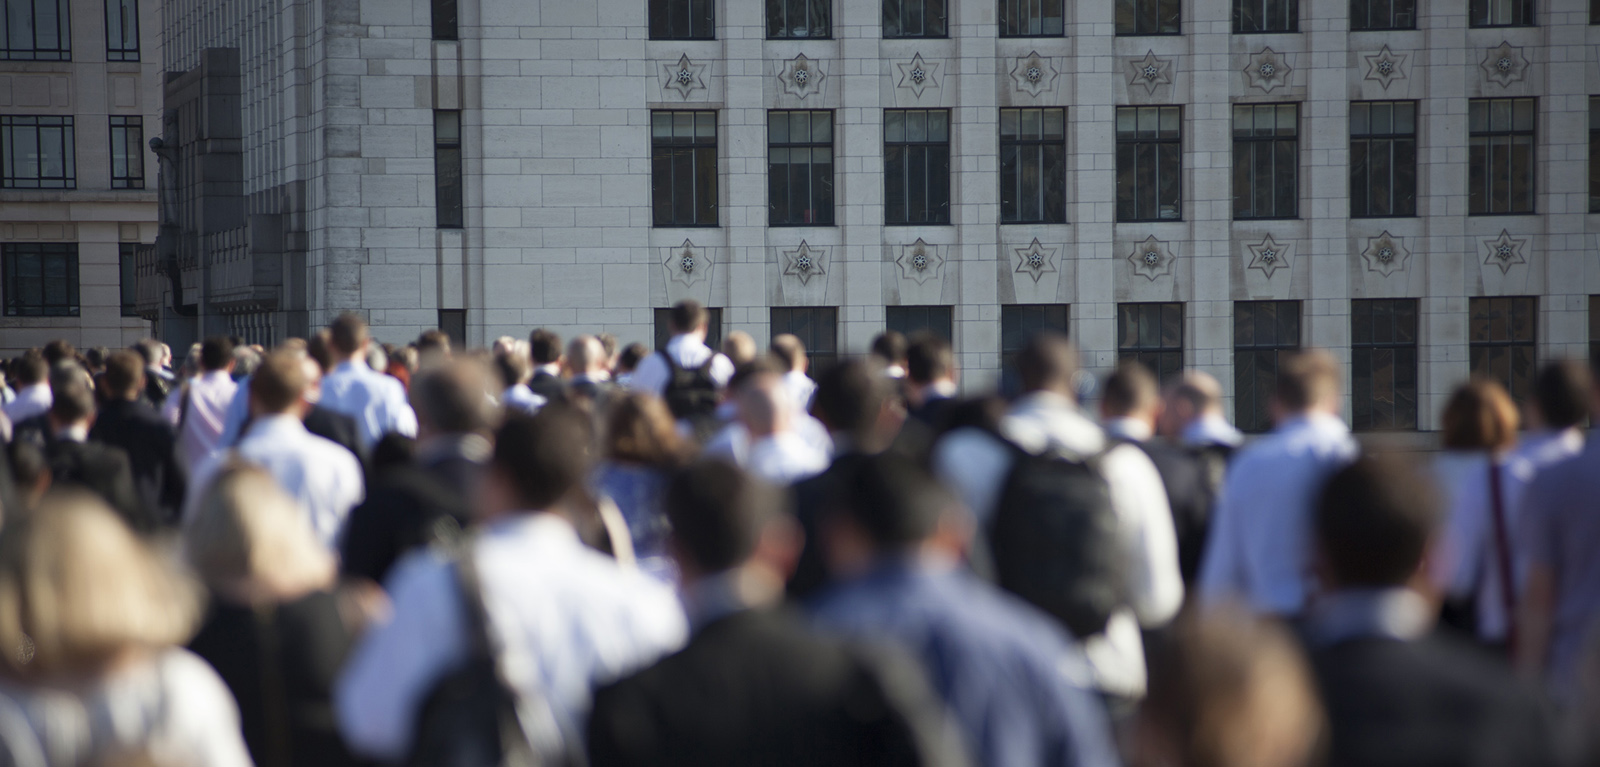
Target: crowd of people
x,y
340,552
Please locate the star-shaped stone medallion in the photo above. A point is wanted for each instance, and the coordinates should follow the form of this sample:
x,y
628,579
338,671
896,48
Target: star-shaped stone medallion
x,y
687,264
1150,72
1035,260
1269,256
918,75
683,77
919,261
1033,74
1267,70
801,76
804,262
1385,66
1152,258
1504,64
1505,252
1385,254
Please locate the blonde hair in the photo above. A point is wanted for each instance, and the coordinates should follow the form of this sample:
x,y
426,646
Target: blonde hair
x,y
78,589
249,535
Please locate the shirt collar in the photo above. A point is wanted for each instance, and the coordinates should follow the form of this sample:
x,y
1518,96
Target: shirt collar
x,y
540,525
710,599
678,342
216,376
1314,421
1212,429
553,368
1131,429
354,364
278,424
1397,613
74,433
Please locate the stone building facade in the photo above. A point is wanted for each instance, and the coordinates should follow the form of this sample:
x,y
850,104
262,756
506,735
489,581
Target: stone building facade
x,y
357,117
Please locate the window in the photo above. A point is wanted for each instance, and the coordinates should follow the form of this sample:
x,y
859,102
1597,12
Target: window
x,y
1266,16
122,30
447,168
1502,334
37,153
1033,166
1266,150
682,20
1262,330
917,18
1383,158
35,30
796,19
453,322
1149,163
911,320
1594,330
1382,14
799,168
127,261
127,153
1500,156
1383,363
1152,334
816,326
1148,17
1502,13
1031,18
1594,11
683,174
445,25
713,328
1594,152
41,279
916,166
1019,323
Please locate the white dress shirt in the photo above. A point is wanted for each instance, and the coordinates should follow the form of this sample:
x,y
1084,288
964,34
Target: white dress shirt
x,y
376,400
976,465
1467,563
1260,545
318,473
521,398
784,458
30,402
690,353
1211,429
203,413
801,388
567,618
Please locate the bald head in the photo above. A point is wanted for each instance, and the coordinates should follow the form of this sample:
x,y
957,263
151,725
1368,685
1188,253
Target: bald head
x,y
586,355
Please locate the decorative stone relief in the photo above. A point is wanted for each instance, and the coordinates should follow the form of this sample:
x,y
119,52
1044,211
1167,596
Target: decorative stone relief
x,y
1152,258
685,77
1150,72
918,75
1505,252
1385,254
1034,74
801,76
1504,65
1386,66
1035,260
687,264
1269,256
804,262
1268,70
919,261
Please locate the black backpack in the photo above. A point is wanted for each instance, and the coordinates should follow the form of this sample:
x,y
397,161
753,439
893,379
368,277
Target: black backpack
x,y
1055,542
691,395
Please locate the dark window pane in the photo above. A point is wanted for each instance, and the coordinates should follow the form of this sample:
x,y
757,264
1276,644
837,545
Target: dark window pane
x,y
684,168
1265,16
1019,323
1501,156
1382,14
40,279
37,152
444,17
1383,364
1147,17
127,153
1502,334
663,328
798,19
39,30
122,28
1031,18
1033,166
1152,334
1262,332
682,20
916,167
910,320
1501,13
914,18
447,169
816,326
128,279
1149,183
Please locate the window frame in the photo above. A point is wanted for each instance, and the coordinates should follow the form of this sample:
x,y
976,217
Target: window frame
x,y
666,153
131,166
63,33
929,148
1128,149
1594,150
1394,142
1366,351
1049,212
1594,330
1273,182
662,329
1019,8
9,124
1138,11
810,8
1489,173
1393,12
449,201
1523,13
1015,334
816,326
119,49
939,319
661,20
1478,348
1291,17
128,277
822,215
1255,351
1164,359
898,32
10,252
453,323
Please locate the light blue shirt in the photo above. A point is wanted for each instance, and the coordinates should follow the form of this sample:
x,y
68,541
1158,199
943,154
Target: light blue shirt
x,y
1260,547
377,401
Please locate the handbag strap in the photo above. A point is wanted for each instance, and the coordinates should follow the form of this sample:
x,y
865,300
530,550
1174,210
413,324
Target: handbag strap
x,y
1502,552
279,748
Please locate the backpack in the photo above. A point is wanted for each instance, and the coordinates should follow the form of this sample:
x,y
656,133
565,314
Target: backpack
x,y
691,395
1055,542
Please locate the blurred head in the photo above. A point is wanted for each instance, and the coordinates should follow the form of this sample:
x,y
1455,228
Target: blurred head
x,y
719,515
688,316
640,430
82,591
72,395
31,472
347,336
95,358
765,407
150,350
929,360
30,369
544,347
124,377
585,356
513,369
216,353
608,345
1479,416
853,398
632,354
740,348
1048,362
245,360
452,399
1373,522
886,504
1131,391
890,348
1228,690
320,348
279,385
58,351
1560,395
790,353
1308,381
249,539
539,461
1195,396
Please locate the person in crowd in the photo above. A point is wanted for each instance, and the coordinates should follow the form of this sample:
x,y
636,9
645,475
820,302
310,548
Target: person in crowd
x,y
203,403
433,349
104,678
7,394
544,347
789,352
889,349
1228,690
628,361
1556,414
687,373
245,361
767,440
59,350
408,504
1130,408
1397,693
580,618
376,401
1014,681
740,348
276,630
642,448
590,381
318,473
1046,419
611,346
158,380
76,461
1193,416
402,363
30,371
94,360
321,421
930,380
755,685
514,370
1260,541
128,422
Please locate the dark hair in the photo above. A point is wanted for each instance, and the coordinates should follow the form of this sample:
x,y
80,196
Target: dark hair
x,y
279,382
544,456
512,368
28,466
433,341
1129,389
789,351
30,368
1373,522
71,394
894,500
1306,379
544,346
59,351
96,357
850,396
1561,392
1479,416
347,333
632,355
929,358
717,512
1047,361
150,350
215,353
318,347
452,399
890,346
687,316
124,373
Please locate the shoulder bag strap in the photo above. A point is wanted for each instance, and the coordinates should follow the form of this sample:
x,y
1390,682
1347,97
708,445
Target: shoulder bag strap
x,y
1502,551
279,748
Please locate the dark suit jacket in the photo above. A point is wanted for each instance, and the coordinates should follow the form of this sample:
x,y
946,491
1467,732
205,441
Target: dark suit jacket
x,y
105,471
1428,703
758,688
810,498
551,387
155,390
139,431
408,507
1191,497
336,427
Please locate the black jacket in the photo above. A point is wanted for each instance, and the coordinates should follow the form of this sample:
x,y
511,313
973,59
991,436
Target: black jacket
x,y
1191,497
105,471
408,507
149,442
759,688
549,386
335,427
810,498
